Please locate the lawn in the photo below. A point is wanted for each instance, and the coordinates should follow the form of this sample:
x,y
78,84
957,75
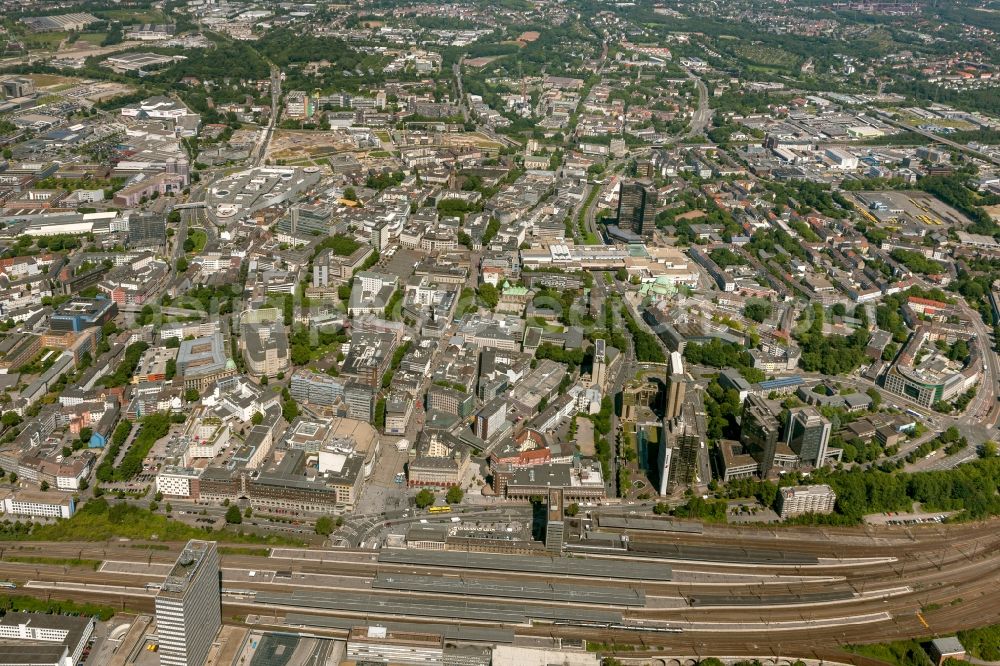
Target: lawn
x,y
900,653
44,41
45,80
57,561
94,38
200,238
132,16
100,520
767,56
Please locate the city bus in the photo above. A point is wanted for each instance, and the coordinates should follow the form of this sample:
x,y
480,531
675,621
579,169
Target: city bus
x,y
440,509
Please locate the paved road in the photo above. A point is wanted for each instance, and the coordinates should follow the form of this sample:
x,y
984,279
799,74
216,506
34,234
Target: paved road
x,y
939,139
703,114
261,150
590,215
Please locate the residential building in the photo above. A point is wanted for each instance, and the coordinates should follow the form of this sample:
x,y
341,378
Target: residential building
x,y
437,461
732,463
797,500
579,481
203,361
78,314
450,401
314,388
369,357
265,348
398,410
491,420
44,639
360,401
37,504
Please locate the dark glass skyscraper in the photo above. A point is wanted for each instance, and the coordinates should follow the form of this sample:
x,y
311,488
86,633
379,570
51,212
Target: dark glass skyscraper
x,y
637,208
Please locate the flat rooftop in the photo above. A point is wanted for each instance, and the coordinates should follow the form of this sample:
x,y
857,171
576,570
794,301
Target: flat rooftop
x,y
187,565
557,566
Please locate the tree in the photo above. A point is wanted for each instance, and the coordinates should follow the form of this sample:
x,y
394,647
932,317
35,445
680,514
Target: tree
x,y
153,506
182,265
301,354
350,194
290,410
324,525
13,477
248,513
758,311
233,515
257,418
875,396
191,395
168,508
988,449
84,484
10,419
66,452
455,495
86,434
572,509
44,486
424,498
489,295
158,496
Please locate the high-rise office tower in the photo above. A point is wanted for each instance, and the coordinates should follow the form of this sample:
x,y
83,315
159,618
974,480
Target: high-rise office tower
x,y
808,435
189,606
759,430
682,443
637,208
599,374
676,386
147,229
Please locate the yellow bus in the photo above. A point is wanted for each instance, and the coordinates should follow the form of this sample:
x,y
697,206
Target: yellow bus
x,y
440,509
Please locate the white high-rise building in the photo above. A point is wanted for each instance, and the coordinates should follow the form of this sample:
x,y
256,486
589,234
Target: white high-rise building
x,y
189,606
797,500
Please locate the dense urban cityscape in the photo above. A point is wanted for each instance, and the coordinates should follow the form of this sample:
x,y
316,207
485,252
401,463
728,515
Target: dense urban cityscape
x,y
579,333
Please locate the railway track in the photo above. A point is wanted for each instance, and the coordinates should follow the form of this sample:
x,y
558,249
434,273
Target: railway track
x,y
948,572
